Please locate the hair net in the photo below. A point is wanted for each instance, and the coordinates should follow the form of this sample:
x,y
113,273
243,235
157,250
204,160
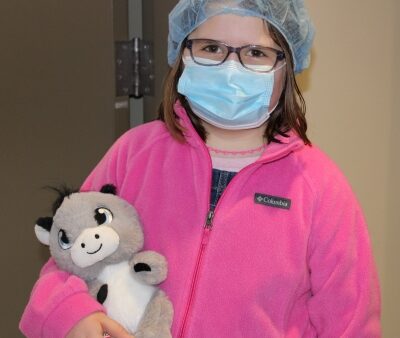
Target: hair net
x,y
289,17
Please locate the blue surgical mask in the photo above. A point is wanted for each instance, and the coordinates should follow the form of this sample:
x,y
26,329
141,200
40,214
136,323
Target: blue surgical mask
x,y
227,96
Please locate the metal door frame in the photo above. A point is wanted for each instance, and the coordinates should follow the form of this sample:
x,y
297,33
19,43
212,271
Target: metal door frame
x,y
135,21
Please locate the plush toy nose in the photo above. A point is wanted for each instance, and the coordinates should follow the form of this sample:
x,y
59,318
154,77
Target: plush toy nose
x,y
93,245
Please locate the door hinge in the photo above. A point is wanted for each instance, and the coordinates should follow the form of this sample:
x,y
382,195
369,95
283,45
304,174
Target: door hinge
x,y
134,68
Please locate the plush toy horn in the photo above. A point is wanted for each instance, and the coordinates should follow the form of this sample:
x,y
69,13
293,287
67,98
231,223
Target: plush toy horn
x,y
42,229
109,189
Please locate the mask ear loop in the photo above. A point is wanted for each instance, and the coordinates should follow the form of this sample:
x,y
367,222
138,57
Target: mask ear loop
x,y
273,71
273,109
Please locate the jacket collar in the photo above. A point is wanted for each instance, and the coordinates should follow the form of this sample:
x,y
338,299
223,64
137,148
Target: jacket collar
x,y
273,151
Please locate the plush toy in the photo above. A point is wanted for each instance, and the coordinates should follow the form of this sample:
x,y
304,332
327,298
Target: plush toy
x,y
98,237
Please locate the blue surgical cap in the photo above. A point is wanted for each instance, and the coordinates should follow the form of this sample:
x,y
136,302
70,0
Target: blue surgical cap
x,y
289,17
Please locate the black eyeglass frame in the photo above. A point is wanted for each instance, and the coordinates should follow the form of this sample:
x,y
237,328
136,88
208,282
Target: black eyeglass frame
x,y
280,55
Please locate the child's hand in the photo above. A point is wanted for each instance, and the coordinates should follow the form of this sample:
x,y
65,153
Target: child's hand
x,y
94,326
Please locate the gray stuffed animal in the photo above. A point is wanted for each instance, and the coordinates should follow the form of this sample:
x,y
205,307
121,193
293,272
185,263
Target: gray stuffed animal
x,y
98,237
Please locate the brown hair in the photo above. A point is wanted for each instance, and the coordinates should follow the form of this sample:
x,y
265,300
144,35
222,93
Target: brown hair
x,y
288,115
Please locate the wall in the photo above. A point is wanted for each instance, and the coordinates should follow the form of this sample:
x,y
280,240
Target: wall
x,y
57,119
156,30
392,271
352,93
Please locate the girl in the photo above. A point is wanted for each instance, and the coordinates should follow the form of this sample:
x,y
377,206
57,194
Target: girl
x,y
263,235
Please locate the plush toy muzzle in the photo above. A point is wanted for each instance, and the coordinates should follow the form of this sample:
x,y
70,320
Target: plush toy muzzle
x,y
93,245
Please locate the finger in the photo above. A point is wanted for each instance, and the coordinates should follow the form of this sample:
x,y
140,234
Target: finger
x,y
114,329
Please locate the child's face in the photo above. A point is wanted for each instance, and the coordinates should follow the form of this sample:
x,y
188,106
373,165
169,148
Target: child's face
x,y
238,31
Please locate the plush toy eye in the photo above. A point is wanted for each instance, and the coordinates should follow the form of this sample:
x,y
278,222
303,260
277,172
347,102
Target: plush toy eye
x,y
103,216
63,240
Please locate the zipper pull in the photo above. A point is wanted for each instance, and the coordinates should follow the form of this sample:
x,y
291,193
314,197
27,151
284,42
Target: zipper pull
x,y
210,216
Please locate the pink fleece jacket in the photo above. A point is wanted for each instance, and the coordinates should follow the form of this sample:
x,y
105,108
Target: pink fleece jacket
x,y
286,253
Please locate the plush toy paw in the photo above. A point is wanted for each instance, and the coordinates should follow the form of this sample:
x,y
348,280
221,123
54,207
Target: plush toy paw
x,y
150,267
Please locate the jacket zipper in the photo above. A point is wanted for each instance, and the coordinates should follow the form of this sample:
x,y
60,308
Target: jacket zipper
x,y
205,238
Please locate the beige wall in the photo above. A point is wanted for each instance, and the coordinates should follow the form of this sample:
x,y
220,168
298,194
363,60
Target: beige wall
x,y
392,265
57,119
352,92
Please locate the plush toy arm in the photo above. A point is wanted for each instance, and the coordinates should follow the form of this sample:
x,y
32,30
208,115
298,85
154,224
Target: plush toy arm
x,y
149,266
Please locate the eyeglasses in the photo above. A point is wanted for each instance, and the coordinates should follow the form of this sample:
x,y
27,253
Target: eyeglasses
x,y
208,52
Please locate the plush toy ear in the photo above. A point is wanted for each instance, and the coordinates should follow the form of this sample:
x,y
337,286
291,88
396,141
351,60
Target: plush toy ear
x,y
42,229
109,189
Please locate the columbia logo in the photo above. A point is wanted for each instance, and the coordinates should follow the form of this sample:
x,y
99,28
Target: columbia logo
x,y
272,201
